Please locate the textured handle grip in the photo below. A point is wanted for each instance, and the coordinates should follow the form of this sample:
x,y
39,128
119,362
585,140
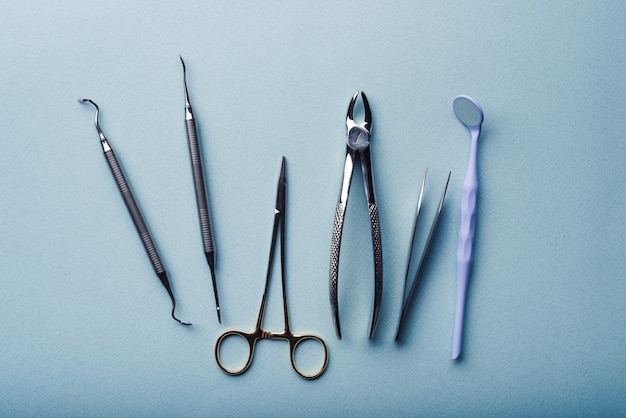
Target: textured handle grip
x,y
135,213
153,254
199,184
468,223
378,264
464,254
118,174
335,247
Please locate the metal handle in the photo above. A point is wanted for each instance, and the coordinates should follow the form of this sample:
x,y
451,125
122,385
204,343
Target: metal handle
x,y
250,339
378,264
200,187
294,343
134,211
335,248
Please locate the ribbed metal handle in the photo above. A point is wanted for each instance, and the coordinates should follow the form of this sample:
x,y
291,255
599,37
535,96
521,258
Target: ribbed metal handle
x,y
134,211
204,214
118,174
152,253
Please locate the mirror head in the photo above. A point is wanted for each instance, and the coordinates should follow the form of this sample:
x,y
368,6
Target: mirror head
x,y
467,111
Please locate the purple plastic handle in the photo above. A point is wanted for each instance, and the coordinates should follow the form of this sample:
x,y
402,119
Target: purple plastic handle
x,y
465,255
472,118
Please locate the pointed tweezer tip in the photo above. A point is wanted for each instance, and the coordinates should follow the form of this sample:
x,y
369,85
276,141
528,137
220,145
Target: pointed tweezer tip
x,y
219,317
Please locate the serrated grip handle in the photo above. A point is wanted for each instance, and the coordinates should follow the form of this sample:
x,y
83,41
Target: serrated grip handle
x,y
135,213
377,245
333,275
197,168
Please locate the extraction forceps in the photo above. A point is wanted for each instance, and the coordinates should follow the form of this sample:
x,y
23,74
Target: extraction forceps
x,y
133,210
259,333
358,141
407,297
204,215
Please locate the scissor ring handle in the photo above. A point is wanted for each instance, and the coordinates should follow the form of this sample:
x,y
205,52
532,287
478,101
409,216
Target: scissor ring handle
x,y
294,342
250,339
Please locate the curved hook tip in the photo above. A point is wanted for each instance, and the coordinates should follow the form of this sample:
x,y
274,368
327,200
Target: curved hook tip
x,y
174,316
179,321
185,81
89,101
169,290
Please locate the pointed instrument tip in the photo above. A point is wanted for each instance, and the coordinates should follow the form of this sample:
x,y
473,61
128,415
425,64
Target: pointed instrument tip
x,y
372,331
165,281
178,320
174,315
183,322
211,260
282,168
185,84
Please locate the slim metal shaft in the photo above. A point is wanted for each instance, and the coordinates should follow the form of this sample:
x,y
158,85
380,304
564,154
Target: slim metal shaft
x,y
202,202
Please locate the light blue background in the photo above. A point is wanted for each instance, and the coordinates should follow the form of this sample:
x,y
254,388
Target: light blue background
x,y
84,322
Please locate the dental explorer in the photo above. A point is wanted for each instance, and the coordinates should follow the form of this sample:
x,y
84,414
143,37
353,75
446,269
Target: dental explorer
x,y
133,210
202,202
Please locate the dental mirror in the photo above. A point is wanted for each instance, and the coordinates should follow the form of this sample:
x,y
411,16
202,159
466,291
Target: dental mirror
x,y
469,114
467,111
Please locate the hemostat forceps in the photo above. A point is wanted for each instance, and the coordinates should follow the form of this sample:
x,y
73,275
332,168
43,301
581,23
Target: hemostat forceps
x,y
406,298
259,333
133,210
358,141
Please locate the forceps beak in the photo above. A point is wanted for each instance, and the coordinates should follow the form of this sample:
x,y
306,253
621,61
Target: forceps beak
x,y
367,122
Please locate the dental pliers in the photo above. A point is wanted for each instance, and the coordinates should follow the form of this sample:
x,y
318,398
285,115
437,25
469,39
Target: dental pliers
x,y
358,141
